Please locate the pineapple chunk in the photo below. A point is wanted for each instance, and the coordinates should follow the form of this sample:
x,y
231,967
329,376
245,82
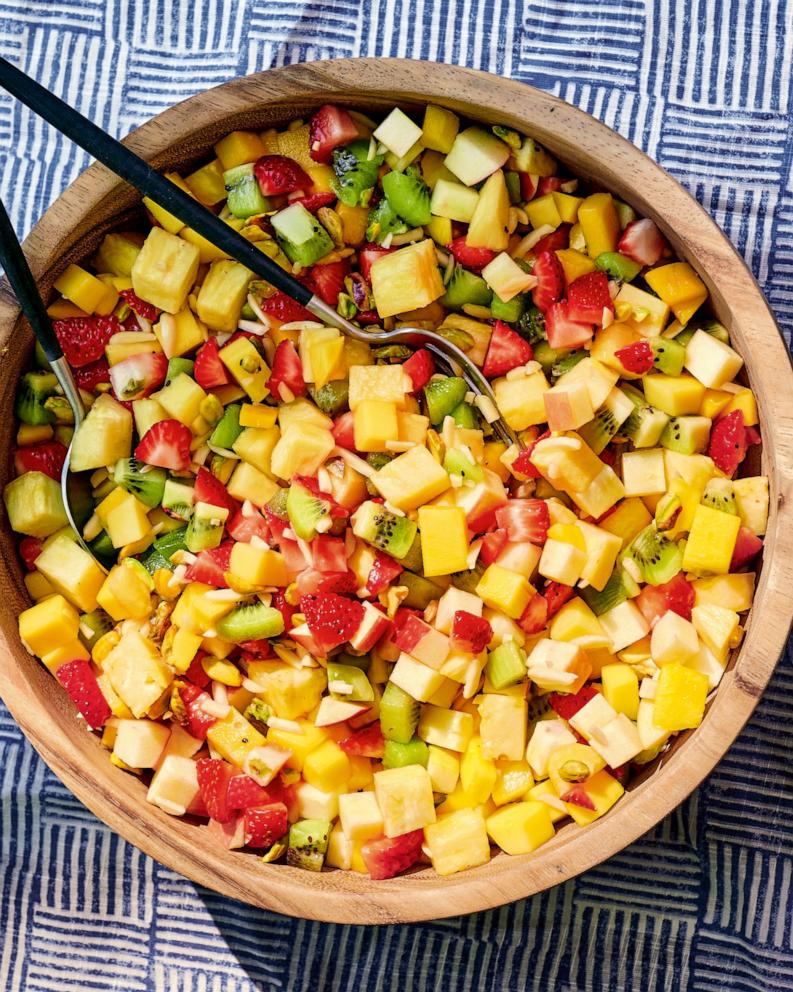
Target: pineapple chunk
x,y
712,361
458,841
598,378
249,483
443,768
386,383
140,743
248,368
206,184
179,333
292,692
718,628
103,437
734,592
521,828
440,128
513,783
412,427
602,549
520,400
255,446
646,314
137,672
444,539
222,295
680,698
314,804
575,619
195,612
503,722
360,816
444,728
406,279
644,472
125,595
86,291
182,399
301,450
489,226
411,479
751,497
48,624
71,570
711,541
117,253
503,590
301,411
238,148
404,796
325,360
34,505
234,738
165,270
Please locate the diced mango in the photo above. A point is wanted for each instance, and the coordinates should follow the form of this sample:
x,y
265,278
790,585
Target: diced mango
x,y
599,223
125,595
444,539
299,744
239,147
165,219
48,624
674,394
574,264
504,590
603,790
206,184
621,688
521,828
375,423
679,287
542,211
86,291
259,566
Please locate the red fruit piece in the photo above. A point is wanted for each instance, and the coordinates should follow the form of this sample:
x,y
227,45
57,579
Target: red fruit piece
x,y
535,617
388,856
588,296
311,582
367,317
209,370
243,792
566,705
564,332
329,553
550,275
278,174
642,242
637,357
331,618
382,573
197,720
29,550
214,776
284,309
83,339
166,444
365,743
314,201
344,431
258,649
528,185
47,457
138,376
196,673
578,796
556,595
474,259
506,351
677,595
327,280
208,489
523,464
279,602
79,681
230,835
727,445
525,520
549,184
470,633
243,528
492,545
556,241
287,371
264,825
367,256
747,546
420,367
143,309
89,376
330,128
211,565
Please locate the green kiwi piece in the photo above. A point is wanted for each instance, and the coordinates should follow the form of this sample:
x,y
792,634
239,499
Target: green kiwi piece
x,y
421,591
465,287
687,435
332,397
250,622
382,221
98,623
465,415
457,462
612,594
145,482
308,844
399,714
305,510
467,580
227,429
668,355
381,528
720,494
397,755
176,366
657,558
408,195
442,395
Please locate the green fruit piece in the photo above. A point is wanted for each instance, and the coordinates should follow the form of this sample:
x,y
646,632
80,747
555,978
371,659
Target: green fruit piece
x,y
59,407
145,482
102,549
466,287
40,359
607,420
442,396
205,529
355,174
245,198
645,424
362,661
720,494
81,500
467,580
153,561
457,462
667,511
531,326
512,179
301,236
177,499
349,682
258,713
538,707
94,625
657,558
32,392
421,591
176,366
383,220
305,510
332,397
669,356
408,195
227,429
617,266
511,310
169,543
308,843
717,330
687,435
506,665
465,415
399,714
546,355
612,594
250,622
381,528
566,361
277,504
398,755
34,505
414,559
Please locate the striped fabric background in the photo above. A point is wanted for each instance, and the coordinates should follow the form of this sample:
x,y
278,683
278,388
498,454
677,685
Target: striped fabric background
x,y
704,903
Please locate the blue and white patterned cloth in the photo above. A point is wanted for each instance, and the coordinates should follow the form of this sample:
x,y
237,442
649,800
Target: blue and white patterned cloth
x,y
704,903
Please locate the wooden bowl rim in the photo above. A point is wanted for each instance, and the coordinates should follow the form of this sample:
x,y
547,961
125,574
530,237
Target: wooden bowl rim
x,y
345,897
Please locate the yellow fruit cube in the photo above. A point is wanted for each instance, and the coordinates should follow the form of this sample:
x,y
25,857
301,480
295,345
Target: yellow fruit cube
x,y
406,279
513,782
520,828
544,789
717,627
627,520
504,590
734,592
440,128
752,498
543,212
412,427
34,504
301,449
195,612
568,406
180,648
745,401
478,774
125,595
137,672
680,287
458,841
711,541
248,368
206,184
502,726
375,423
621,688
443,767
574,620
506,278
711,361
644,472
259,566
489,225
258,415
207,252
126,523
326,360
359,815
567,462
640,311
561,562
680,698
71,570
222,295
603,790
404,796
713,402
255,445
86,291
574,264
299,744
165,270
221,670
165,219
388,383
37,586
238,148
69,651
48,624
411,479
599,223
674,394
327,767
292,692
520,400
234,737
444,539
179,333
249,483
567,206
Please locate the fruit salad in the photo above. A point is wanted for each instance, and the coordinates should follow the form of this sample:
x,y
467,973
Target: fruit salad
x,y
326,613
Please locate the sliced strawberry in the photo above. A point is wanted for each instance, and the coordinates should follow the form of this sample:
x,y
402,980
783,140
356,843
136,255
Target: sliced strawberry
x,y
331,618
29,550
47,457
470,633
578,796
556,241
259,649
523,464
752,437
386,857
563,331
310,483
528,185
143,309
314,201
167,445
284,309
677,595
365,743
327,281
642,242
382,573
211,565
587,297
209,370
210,490
312,582
196,673
243,792
556,595
637,357
330,128
727,445
747,546
278,174
83,339
471,258
214,776
566,705
329,553
535,617
264,825
550,275
492,545
549,184
90,376
138,376
279,602
420,367
525,520
506,351
344,431
243,528
198,720
367,256
79,681
287,371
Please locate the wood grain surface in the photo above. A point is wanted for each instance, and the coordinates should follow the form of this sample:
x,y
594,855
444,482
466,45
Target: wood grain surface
x,y
71,229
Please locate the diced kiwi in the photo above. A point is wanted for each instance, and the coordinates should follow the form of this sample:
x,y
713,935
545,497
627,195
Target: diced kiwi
x,y
383,529
717,330
510,310
382,221
467,580
94,625
250,622
81,502
456,462
308,844
301,236
414,559
32,392
465,415
687,435
408,195
397,755
305,510
607,421
102,549
176,366
177,499
145,482
567,361
612,594
720,494
617,266
421,591
657,558
538,707
466,287
668,356
357,688
61,410
546,355
399,714
227,429
442,396
169,543
205,529
153,561
362,661
645,424
332,397
506,665
258,713
531,326
245,198
355,173
277,504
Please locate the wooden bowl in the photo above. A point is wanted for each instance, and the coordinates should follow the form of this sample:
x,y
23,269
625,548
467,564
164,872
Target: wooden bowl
x,y
71,229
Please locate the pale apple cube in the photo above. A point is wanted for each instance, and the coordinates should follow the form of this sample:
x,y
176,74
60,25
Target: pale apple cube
x,y
417,680
597,713
315,804
717,628
705,661
180,744
643,472
174,785
561,562
557,656
404,796
398,133
139,743
599,379
520,557
547,736
520,400
450,729
451,601
711,361
568,407
475,155
443,768
506,278
617,742
673,639
650,734
360,816
624,624
504,628
340,850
